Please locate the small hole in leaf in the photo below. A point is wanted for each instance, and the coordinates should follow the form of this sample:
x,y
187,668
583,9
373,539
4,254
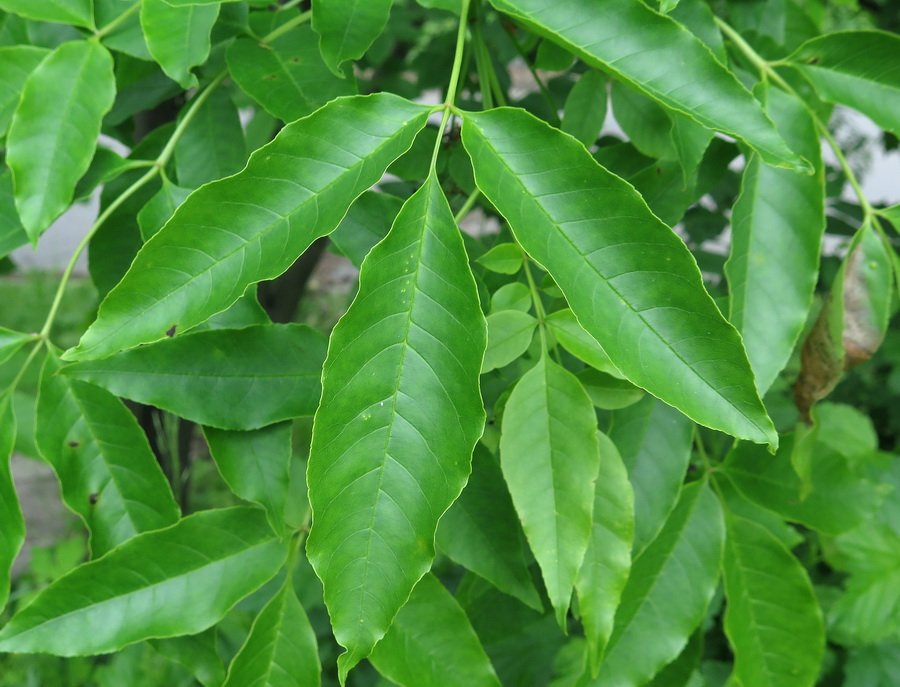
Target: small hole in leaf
x,y
170,332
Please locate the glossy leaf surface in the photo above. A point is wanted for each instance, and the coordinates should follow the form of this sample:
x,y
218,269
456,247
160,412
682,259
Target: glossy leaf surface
x,y
408,351
432,644
772,618
256,465
178,37
347,28
12,531
281,650
54,130
292,191
225,378
175,581
647,309
571,335
16,63
107,472
550,455
633,43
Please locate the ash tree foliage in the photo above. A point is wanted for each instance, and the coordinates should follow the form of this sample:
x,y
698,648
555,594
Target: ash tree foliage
x,y
580,442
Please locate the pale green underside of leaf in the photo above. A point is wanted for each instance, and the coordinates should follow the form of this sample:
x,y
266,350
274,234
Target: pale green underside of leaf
x,y
635,44
54,129
252,226
225,378
77,12
777,226
12,524
772,617
175,581
668,591
400,413
348,27
178,37
16,63
107,472
858,69
431,643
643,302
281,650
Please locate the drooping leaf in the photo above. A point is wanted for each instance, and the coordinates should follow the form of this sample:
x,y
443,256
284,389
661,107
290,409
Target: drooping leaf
x,y
178,37
12,524
578,342
669,588
647,309
481,532
629,40
54,129
197,653
347,28
431,643
777,226
286,76
367,222
160,208
607,562
772,617
550,455
212,146
77,12
585,108
256,465
107,472
126,36
858,69
225,378
281,649
608,392
253,226
407,352
176,581
16,63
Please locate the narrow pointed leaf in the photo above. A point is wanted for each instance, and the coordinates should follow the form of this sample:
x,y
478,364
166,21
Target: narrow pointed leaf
x,y
632,42
668,591
603,574
858,69
481,532
252,226
578,342
400,413
12,524
107,472
348,27
772,617
77,12
54,130
176,581
281,649
647,309
225,378
178,37
550,455
286,76
16,63
213,144
777,228
256,465
432,643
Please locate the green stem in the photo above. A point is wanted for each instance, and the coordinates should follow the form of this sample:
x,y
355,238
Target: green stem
x,y
454,80
288,5
169,150
24,368
301,18
467,206
545,93
115,23
538,304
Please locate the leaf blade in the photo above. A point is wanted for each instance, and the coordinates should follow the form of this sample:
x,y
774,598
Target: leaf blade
x,y
178,38
12,522
347,28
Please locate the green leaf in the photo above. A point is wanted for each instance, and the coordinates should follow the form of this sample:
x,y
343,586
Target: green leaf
x,y
12,234
858,69
607,562
668,591
77,12
407,352
509,336
11,342
633,43
431,643
585,108
578,342
12,524
550,455
647,309
225,378
198,653
160,208
16,63
256,465
777,226
178,37
253,226
347,28
608,392
515,296
106,165
107,472
281,649
213,145
481,532
367,222
873,666
643,120
772,617
176,581
505,258
286,76
54,130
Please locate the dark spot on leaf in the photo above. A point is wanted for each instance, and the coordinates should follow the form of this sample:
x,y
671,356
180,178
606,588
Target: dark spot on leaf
x,y
659,171
93,498
170,332
295,60
73,444
814,60
270,77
